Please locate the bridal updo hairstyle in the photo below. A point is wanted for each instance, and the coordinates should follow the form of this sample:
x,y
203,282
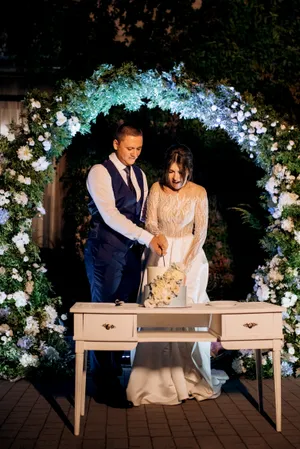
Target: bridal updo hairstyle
x,y
182,156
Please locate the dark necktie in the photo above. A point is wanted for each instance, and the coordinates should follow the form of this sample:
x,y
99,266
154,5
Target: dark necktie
x,y
129,181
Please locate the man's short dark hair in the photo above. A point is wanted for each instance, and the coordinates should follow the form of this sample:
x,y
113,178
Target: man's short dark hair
x,y
127,129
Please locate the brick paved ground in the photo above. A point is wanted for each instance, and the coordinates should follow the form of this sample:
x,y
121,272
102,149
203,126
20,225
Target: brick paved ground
x,y
31,417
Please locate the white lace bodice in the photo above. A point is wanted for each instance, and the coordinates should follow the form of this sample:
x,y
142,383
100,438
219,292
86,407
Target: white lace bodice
x,y
179,214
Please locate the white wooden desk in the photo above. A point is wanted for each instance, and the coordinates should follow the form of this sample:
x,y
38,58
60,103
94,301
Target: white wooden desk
x,y
238,325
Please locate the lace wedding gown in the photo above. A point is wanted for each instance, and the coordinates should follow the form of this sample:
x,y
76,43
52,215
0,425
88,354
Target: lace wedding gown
x,y
167,373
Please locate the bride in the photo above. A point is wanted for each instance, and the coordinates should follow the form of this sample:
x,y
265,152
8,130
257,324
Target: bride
x,y
168,373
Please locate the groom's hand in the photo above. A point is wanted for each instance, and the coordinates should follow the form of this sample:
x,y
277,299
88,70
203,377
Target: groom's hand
x,y
163,243
159,245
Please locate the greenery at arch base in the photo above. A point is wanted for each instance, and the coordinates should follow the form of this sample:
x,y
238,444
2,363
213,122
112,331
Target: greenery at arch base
x,y
31,329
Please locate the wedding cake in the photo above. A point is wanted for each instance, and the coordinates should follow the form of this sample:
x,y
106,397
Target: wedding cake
x,y
164,287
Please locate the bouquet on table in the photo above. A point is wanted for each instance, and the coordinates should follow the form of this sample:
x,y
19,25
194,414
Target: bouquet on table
x,y
163,288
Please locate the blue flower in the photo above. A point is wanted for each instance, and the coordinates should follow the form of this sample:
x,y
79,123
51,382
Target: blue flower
x,y
4,216
25,342
286,369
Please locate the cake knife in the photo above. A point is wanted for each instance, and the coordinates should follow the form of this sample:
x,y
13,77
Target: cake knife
x,y
163,258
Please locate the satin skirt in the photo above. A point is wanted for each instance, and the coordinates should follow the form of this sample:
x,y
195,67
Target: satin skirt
x,y
167,373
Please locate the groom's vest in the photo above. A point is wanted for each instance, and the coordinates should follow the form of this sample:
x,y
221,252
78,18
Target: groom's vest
x,y
126,204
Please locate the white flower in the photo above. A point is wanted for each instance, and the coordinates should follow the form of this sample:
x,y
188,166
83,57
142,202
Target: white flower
x,y
32,326
61,118
40,208
63,317
20,240
31,142
58,99
29,360
291,142
20,298
50,313
41,164
274,147
17,277
297,236
24,180
263,292
287,224
2,297
240,116
25,259
74,125
253,110
214,107
272,185
291,350
238,366
35,104
11,172
21,198
47,145
289,299
3,249
4,197
273,124
24,153
41,138
164,288
10,137
36,117
287,199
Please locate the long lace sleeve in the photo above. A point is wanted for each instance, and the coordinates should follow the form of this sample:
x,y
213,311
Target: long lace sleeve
x,y
200,227
151,210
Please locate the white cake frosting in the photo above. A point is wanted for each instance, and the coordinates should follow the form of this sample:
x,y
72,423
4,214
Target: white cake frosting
x,y
177,301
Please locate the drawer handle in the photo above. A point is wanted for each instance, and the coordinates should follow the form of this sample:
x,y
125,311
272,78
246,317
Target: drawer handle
x,y
108,326
250,325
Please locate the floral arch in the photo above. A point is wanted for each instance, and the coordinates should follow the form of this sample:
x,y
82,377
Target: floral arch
x,y
31,332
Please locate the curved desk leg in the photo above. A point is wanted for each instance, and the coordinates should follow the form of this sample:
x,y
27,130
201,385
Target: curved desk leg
x,y
78,386
83,386
277,382
259,379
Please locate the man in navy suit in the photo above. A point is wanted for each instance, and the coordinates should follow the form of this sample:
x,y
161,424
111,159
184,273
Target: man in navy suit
x,y
118,191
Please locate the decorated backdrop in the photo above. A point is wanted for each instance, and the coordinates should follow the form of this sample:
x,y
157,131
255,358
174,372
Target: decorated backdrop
x,y
31,322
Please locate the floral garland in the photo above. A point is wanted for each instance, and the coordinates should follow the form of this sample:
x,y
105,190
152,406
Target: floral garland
x,y
30,331
164,288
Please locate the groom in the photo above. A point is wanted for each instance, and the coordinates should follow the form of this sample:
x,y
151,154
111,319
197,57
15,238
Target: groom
x,y
118,191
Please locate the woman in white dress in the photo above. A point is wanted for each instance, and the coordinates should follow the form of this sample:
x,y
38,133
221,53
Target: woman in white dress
x,y
168,373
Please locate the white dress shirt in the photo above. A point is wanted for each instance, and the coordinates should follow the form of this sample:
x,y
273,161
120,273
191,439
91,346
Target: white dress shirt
x,y
99,185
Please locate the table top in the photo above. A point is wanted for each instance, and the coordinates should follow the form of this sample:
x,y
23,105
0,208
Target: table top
x,y
213,307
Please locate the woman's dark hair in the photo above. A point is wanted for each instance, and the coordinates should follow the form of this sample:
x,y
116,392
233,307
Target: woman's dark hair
x,y
182,156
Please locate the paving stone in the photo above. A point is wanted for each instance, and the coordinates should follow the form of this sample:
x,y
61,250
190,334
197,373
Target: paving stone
x,y
209,442
230,422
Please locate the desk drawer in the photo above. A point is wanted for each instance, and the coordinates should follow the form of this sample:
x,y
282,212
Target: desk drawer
x,y
109,327
252,326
